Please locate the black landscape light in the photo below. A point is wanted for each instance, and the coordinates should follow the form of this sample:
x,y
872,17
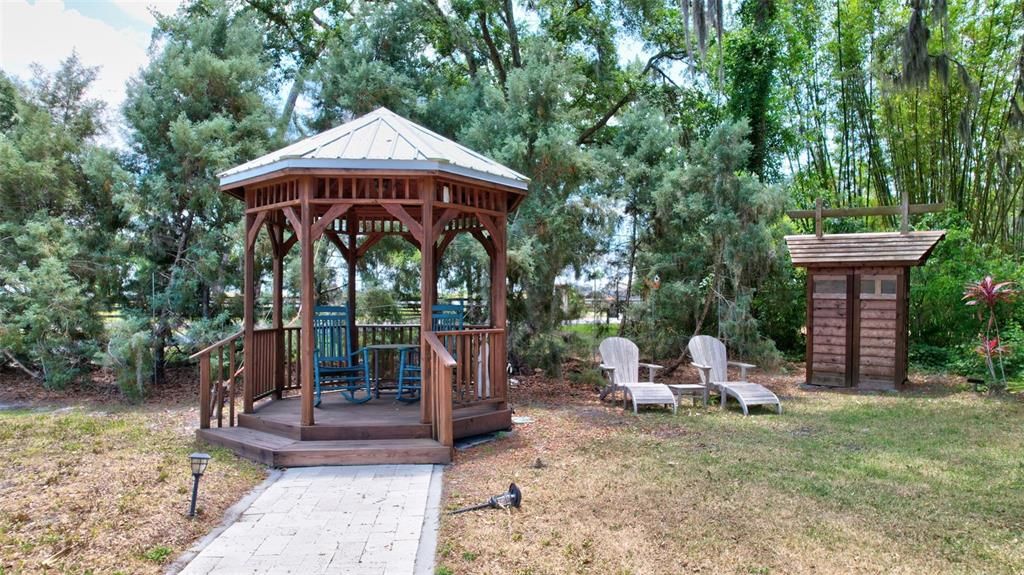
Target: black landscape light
x,y
511,498
199,462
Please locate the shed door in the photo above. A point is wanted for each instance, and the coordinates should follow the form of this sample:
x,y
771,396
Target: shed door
x,y
829,339
876,319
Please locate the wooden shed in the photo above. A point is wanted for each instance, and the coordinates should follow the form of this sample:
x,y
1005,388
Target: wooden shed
x,y
858,289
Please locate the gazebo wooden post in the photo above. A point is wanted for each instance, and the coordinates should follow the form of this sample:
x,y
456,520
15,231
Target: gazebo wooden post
x,y
351,225
277,235
307,302
248,305
499,264
427,279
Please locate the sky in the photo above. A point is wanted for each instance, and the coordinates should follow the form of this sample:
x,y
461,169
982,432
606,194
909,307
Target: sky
x,y
111,34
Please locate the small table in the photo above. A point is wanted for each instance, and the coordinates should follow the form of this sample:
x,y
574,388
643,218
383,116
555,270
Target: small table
x,y
378,347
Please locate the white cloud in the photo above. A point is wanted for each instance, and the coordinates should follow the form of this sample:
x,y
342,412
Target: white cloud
x,y
140,9
46,32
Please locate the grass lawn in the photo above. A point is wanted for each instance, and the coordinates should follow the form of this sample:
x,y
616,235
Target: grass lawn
x,y
922,482
100,487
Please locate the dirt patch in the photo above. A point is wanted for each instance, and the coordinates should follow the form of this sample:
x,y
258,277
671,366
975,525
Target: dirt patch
x,y
179,387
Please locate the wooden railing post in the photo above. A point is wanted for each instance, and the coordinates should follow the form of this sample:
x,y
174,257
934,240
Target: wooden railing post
x,y
204,391
437,365
231,383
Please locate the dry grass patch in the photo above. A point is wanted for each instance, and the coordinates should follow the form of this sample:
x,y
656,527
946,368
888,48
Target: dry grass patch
x,y
85,490
842,483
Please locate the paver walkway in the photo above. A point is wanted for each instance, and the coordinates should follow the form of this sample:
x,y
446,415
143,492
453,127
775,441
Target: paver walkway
x,y
353,520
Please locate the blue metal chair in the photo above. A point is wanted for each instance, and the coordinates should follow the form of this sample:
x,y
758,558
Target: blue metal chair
x,y
335,366
444,317
448,317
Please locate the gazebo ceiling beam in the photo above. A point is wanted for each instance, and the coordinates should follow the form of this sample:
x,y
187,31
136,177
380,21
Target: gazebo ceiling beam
x,y
335,239
286,246
368,243
486,242
410,222
275,233
443,244
294,220
442,220
409,238
335,211
492,229
254,230
272,207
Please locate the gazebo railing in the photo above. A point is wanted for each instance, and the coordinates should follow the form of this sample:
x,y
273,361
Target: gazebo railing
x,y
220,373
263,360
439,367
479,375
463,368
290,370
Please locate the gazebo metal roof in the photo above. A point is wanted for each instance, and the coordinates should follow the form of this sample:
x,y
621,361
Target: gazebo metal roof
x,y
380,140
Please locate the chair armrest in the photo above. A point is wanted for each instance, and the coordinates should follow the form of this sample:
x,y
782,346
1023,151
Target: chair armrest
x,y
705,372
743,368
609,372
651,368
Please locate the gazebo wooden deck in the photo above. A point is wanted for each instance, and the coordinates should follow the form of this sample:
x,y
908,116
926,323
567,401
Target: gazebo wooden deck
x,y
376,176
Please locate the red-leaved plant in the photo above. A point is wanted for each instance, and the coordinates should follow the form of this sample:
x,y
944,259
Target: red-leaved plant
x,y
986,296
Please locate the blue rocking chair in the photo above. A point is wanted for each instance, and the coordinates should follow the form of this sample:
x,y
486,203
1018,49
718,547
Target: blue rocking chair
x,y
335,365
444,317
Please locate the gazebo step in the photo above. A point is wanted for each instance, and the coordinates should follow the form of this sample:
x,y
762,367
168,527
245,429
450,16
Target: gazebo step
x,y
307,453
331,432
279,451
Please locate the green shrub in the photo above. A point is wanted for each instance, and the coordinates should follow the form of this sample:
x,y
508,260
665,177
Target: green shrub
x,y
157,554
943,331
377,305
48,318
130,355
588,377
545,351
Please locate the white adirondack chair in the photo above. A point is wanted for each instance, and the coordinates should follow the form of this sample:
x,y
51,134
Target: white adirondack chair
x,y
709,357
620,362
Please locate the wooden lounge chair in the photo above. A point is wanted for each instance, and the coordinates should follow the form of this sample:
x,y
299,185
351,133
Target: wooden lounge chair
x,y
709,357
620,361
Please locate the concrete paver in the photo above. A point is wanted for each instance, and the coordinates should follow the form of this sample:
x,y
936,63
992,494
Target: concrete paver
x,y
312,520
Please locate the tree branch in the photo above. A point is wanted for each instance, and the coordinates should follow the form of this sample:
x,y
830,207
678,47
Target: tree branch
x,y
492,49
460,39
652,63
513,34
14,361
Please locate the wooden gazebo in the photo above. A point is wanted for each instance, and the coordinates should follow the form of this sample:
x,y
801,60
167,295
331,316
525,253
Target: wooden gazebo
x,y
375,176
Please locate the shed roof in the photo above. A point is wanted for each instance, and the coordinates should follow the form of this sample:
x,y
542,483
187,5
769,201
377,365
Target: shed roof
x,y
888,249
380,140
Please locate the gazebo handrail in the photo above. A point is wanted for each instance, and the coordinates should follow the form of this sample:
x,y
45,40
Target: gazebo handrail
x,y
220,343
